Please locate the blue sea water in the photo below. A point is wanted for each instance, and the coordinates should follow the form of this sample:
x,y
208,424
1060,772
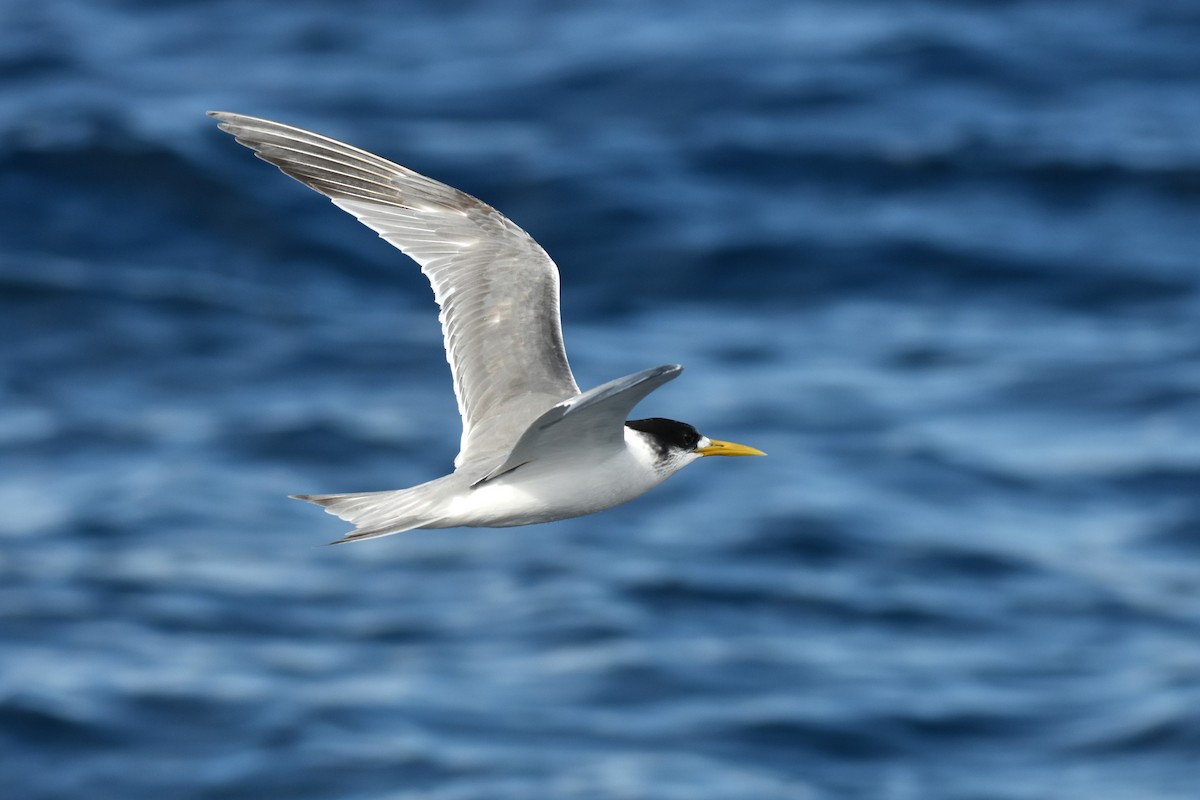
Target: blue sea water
x,y
941,260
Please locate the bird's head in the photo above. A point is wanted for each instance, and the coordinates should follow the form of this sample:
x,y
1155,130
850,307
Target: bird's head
x,y
677,444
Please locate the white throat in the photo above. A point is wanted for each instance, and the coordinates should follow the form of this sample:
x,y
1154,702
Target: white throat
x,y
650,453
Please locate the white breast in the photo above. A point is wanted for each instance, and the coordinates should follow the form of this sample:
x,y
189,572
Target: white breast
x,y
567,485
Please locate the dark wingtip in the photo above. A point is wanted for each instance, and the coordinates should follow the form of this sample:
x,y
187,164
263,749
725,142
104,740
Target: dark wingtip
x,y
315,499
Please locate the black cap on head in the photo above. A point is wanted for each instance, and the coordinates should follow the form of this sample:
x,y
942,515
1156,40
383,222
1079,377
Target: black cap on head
x,y
668,432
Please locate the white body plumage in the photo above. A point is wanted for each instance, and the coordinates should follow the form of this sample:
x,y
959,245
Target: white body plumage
x,y
552,489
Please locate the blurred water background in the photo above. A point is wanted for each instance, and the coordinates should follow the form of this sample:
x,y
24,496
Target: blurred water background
x,y
941,260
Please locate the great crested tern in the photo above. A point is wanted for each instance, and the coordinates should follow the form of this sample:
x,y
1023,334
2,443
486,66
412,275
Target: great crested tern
x,y
534,448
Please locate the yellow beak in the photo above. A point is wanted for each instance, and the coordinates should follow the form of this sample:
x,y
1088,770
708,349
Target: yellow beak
x,y
718,448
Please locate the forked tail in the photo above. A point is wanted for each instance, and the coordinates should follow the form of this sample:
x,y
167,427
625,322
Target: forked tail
x,y
377,513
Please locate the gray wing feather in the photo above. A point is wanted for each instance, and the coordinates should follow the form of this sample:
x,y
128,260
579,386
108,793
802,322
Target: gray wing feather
x,y
592,421
497,288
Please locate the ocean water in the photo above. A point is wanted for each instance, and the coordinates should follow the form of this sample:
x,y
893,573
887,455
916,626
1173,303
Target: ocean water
x,y
940,260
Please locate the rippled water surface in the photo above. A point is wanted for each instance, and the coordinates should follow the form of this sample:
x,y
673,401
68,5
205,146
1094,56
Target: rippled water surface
x,y
941,260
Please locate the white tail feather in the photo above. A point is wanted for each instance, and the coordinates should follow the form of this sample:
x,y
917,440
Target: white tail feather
x,y
376,514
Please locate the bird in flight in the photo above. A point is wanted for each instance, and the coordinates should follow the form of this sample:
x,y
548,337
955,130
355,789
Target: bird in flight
x,y
534,448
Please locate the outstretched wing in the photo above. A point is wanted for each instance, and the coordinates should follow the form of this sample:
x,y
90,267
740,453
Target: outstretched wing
x,y
497,288
591,422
